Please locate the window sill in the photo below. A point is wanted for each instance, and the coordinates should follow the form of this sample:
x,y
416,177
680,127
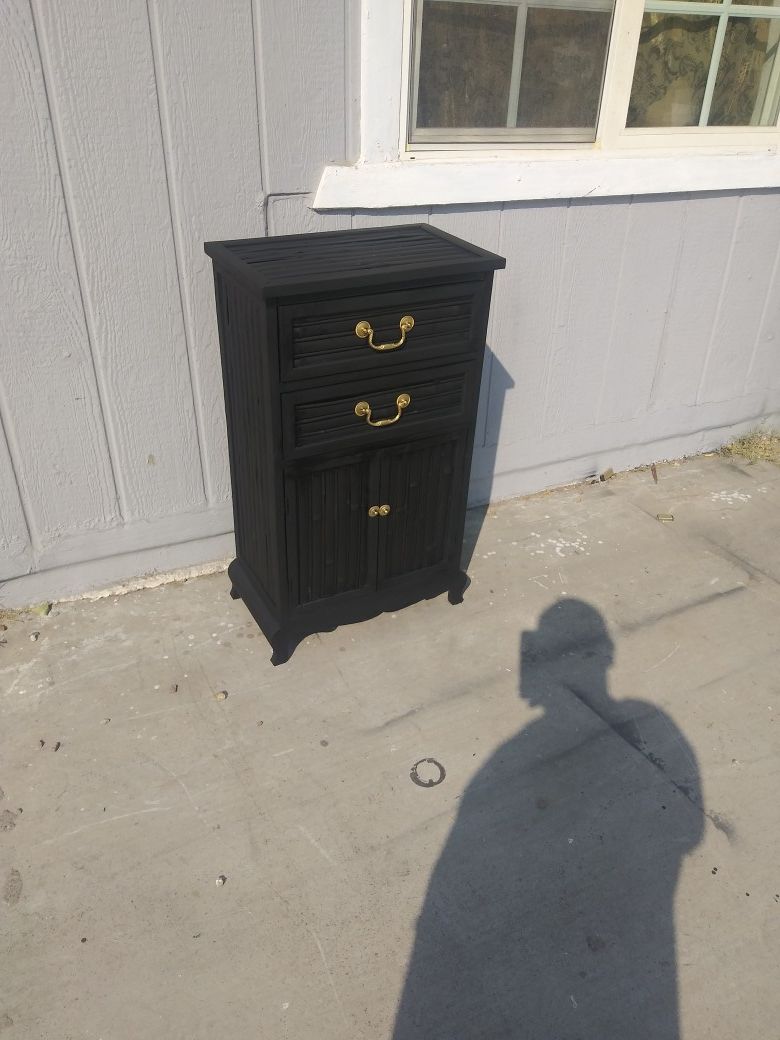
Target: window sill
x,y
449,181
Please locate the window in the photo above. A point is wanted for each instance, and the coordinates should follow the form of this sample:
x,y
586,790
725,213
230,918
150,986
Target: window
x,y
532,71
483,101
508,71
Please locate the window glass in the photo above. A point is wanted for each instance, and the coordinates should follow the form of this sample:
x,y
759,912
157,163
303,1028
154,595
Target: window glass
x,y
465,64
706,70
563,65
672,65
509,70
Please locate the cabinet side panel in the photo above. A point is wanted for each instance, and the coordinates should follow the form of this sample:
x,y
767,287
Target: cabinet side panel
x,y
248,390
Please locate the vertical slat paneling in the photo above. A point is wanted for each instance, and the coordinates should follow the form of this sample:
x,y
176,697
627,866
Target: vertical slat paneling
x,y
99,68
532,239
331,504
292,215
301,62
647,275
590,276
745,290
52,404
698,289
208,108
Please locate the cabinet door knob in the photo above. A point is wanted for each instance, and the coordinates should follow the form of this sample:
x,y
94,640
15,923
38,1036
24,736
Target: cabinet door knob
x,y
374,511
363,411
364,331
384,510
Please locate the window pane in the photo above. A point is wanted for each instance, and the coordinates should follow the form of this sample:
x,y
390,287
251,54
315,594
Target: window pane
x,y
465,64
746,88
760,3
563,66
671,70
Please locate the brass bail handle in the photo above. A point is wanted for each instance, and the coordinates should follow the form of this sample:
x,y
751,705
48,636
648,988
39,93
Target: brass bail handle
x,y
363,411
364,331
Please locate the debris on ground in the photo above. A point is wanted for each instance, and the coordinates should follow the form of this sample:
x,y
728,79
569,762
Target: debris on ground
x,y
58,745
654,471
34,637
221,695
41,609
7,820
221,880
760,445
607,474
106,721
174,687
665,518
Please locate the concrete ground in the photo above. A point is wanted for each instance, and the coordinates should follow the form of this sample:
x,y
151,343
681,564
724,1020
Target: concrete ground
x,y
599,861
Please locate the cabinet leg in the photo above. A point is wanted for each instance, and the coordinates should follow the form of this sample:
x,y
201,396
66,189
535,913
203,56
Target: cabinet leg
x,y
234,594
456,590
282,647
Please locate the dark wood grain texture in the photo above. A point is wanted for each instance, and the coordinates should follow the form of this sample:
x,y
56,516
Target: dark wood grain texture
x,y
305,469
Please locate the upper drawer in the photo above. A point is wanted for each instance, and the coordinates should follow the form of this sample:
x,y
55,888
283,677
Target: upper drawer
x,y
317,336
399,406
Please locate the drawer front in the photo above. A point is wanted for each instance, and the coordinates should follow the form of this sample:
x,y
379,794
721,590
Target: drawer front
x,y
318,337
378,412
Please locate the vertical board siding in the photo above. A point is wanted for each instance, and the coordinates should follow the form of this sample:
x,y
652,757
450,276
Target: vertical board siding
x,y
708,229
301,58
532,239
292,215
764,370
647,273
101,77
746,286
212,153
585,313
16,556
52,406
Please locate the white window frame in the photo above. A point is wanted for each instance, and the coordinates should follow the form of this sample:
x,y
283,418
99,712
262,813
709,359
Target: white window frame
x,y
391,173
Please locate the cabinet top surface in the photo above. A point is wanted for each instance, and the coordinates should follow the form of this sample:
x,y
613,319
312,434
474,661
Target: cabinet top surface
x,y
286,264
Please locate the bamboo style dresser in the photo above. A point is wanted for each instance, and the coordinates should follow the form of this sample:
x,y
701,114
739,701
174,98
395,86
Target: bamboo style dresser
x,y
351,364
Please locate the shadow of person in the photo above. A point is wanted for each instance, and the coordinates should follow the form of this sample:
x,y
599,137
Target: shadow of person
x,y
550,912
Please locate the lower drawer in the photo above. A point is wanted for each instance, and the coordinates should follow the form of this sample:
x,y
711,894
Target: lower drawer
x,y
377,411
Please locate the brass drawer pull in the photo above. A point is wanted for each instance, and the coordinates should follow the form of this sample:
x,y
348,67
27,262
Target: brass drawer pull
x,y
374,511
363,410
364,331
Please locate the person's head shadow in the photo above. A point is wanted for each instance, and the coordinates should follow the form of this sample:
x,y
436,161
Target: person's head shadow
x,y
549,913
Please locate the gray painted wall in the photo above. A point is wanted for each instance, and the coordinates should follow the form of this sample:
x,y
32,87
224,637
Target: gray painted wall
x,y
622,331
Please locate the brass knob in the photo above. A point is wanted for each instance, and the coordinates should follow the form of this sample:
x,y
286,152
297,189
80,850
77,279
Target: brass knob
x,y
373,511
384,510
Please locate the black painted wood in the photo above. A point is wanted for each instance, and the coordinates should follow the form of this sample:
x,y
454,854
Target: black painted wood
x,y
304,468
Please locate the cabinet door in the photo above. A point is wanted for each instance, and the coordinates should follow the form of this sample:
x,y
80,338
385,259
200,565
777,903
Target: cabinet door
x,y
424,485
331,542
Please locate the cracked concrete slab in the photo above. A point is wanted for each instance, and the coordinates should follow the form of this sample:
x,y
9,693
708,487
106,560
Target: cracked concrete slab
x,y
600,859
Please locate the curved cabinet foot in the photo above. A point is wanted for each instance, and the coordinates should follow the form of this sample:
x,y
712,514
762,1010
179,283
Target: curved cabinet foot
x,y
456,590
234,593
282,645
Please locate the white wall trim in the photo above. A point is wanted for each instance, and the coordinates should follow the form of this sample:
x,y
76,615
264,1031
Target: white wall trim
x,y
441,182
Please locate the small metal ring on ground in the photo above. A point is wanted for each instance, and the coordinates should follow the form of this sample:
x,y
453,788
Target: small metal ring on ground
x,y
417,779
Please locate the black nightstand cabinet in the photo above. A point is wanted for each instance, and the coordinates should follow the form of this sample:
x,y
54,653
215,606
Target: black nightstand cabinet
x,y
349,446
